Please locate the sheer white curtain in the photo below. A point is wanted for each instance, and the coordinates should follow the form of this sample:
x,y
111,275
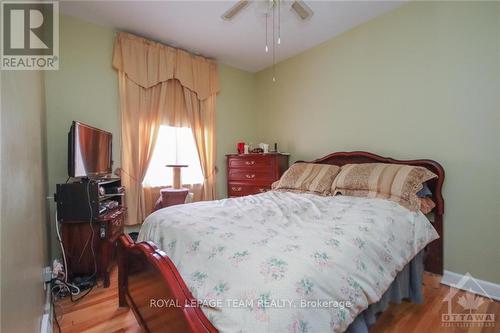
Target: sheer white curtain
x,y
174,145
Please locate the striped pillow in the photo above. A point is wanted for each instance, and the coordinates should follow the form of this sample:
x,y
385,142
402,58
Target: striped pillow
x,y
308,177
396,182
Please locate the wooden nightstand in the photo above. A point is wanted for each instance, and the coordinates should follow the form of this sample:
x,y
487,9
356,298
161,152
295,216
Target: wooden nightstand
x,y
81,258
80,210
253,173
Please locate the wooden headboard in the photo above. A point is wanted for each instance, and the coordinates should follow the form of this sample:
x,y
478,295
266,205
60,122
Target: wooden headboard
x,y
434,256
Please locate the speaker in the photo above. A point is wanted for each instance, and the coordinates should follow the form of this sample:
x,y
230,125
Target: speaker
x,y
77,202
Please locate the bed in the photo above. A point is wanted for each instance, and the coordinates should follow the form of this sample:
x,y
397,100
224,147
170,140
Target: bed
x,y
280,261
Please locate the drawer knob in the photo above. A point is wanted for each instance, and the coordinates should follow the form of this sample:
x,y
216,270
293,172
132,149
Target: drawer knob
x,y
250,162
250,176
236,189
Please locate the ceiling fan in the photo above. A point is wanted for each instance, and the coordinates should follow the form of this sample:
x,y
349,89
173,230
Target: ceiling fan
x,y
301,9
271,11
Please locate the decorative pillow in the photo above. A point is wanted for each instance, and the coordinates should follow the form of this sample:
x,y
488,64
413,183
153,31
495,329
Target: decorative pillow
x,y
426,205
308,177
396,182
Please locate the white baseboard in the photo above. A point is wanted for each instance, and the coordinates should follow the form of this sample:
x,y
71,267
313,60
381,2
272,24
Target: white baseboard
x,y
481,287
46,323
46,326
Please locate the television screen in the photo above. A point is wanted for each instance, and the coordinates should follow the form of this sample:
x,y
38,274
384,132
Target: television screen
x,y
90,151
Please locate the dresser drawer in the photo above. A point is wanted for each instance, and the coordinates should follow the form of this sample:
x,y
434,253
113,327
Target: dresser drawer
x,y
115,228
239,190
111,226
250,161
251,174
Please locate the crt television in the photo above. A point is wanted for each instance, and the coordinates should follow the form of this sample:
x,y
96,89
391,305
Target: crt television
x,y
89,151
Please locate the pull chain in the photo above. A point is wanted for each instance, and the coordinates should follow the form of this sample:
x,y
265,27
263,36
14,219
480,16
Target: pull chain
x,y
267,48
279,21
274,43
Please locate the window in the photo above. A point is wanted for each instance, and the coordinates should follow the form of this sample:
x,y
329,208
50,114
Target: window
x,y
175,145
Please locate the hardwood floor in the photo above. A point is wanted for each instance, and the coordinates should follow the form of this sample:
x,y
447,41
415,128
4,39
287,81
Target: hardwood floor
x,y
99,312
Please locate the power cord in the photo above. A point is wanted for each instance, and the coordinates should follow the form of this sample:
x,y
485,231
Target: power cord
x,y
92,231
60,286
77,290
55,316
91,236
61,283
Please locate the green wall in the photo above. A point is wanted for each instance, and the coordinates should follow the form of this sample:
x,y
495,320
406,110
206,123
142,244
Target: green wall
x,y
422,81
236,117
85,88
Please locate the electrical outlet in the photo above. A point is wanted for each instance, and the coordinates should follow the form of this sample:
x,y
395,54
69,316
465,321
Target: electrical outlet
x,y
47,274
57,269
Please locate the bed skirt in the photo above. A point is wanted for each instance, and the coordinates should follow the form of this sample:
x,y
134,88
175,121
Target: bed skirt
x,y
406,285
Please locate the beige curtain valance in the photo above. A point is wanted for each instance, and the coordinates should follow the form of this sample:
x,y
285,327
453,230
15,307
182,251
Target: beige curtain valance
x,y
148,63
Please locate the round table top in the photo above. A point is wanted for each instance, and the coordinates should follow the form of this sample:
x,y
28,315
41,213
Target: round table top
x,y
173,190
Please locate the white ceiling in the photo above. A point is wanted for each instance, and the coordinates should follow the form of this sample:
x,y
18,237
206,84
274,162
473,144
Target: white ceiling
x,y
197,25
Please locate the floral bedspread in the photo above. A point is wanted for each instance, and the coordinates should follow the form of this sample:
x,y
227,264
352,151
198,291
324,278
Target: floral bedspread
x,y
288,262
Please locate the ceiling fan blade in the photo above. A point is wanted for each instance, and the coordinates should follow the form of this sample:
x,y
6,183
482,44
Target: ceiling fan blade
x,y
237,7
302,9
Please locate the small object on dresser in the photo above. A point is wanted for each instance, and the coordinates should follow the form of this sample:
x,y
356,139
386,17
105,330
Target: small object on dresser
x,y
240,146
264,147
257,151
246,149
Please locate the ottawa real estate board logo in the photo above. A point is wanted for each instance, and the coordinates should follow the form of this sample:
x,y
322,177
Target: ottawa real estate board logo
x,y
467,310
30,35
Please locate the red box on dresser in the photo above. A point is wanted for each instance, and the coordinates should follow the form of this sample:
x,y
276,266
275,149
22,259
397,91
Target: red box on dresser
x,y
253,173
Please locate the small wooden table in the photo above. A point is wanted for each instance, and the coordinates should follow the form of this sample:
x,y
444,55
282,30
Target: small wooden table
x,y
177,174
176,195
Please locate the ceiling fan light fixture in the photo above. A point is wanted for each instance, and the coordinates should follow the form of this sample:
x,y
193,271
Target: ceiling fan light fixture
x,y
302,10
231,12
271,10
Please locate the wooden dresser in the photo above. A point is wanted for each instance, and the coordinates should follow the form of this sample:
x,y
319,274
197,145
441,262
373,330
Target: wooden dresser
x,y
253,173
